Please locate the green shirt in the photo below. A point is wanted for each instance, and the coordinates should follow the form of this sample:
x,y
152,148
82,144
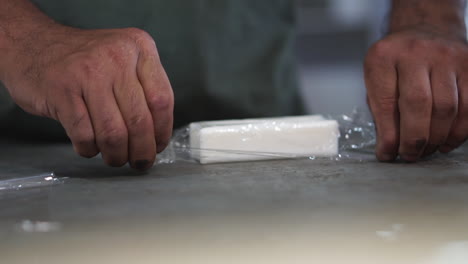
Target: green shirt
x,y
225,58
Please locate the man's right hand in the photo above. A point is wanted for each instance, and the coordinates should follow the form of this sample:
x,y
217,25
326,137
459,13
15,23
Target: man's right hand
x,y
106,87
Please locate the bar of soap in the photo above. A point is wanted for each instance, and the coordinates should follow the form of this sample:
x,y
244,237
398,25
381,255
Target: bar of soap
x,y
263,139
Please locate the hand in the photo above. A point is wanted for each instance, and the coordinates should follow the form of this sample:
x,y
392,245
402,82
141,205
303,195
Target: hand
x,y
106,87
417,88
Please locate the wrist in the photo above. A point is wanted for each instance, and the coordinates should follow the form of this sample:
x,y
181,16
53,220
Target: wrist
x,y
23,43
22,29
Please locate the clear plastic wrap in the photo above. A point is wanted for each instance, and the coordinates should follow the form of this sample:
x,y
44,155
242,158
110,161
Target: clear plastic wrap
x,y
41,180
237,140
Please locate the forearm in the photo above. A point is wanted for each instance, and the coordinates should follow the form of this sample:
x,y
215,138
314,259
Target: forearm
x,y
444,15
21,23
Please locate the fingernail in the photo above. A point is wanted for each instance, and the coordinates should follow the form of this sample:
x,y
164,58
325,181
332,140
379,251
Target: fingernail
x,y
141,164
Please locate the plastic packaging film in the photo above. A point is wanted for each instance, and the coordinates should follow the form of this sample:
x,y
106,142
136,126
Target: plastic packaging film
x,y
313,136
40,180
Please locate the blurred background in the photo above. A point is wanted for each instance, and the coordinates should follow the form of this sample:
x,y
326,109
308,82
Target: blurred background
x,y
332,42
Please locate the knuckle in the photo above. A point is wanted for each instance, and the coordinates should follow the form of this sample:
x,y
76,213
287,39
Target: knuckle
x,y
139,36
136,32
381,49
161,101
78,120
416,98
139,123
384,105
415,145
117,54
445,109
45,107
112,137
377,53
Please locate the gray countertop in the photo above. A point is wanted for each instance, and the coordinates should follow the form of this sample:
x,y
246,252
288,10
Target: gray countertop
x,y
288,211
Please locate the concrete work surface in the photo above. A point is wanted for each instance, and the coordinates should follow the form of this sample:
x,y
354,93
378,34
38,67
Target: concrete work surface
x,y
289,211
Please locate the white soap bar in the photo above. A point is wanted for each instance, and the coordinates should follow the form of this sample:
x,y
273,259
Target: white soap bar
x,y
263,139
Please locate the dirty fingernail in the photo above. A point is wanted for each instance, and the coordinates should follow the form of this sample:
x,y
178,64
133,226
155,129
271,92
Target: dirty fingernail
x,y
141,164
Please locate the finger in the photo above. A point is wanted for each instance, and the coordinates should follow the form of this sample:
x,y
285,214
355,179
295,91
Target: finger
x,y
415,104
158,93
74,117
109,127
132,103
459,130
444,107
382,94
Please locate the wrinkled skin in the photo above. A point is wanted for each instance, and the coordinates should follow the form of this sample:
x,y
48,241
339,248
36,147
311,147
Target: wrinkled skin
x,y
417,86
106,87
